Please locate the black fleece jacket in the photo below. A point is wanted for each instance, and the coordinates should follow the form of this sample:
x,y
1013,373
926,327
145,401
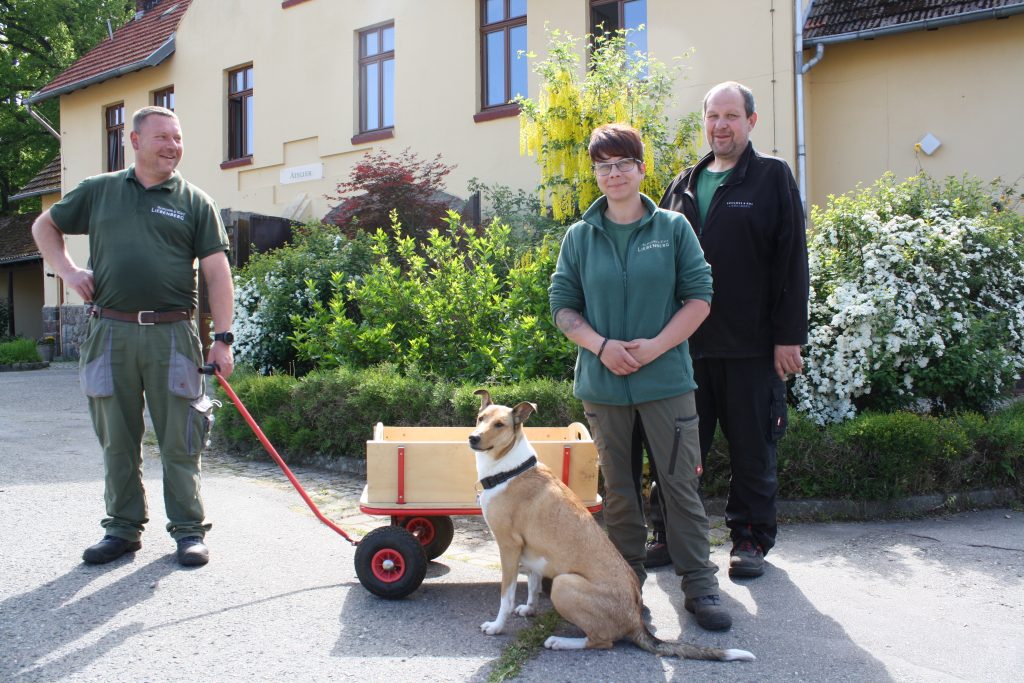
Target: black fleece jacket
x,y
755,241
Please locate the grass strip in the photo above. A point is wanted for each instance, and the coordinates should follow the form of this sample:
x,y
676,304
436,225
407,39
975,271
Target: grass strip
x,y
526,645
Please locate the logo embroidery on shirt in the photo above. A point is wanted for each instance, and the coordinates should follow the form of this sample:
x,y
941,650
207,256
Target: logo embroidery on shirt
x,y
734,204
653,244
170,213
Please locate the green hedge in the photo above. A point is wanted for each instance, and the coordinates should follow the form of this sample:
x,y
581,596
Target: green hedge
x,y
875,456
18,350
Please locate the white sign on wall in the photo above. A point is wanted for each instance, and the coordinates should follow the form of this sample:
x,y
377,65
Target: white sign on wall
x,y
300,174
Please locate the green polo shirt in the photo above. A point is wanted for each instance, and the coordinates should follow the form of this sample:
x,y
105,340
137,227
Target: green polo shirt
x,y
144,244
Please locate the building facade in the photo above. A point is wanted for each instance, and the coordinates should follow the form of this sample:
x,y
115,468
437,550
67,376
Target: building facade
x,y
279,99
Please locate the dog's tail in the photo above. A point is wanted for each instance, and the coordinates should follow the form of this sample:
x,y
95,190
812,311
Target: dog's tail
x,y
645,640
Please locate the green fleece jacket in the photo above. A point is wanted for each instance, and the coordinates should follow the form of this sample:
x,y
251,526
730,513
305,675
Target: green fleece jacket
x,y
664,267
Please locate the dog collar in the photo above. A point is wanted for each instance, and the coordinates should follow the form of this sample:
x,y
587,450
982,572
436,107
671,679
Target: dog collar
x,y
502,477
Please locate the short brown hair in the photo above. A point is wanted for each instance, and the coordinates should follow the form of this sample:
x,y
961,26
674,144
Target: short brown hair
x,y
142,114
615,140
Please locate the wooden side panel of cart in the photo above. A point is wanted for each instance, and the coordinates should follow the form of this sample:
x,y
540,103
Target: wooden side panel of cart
x,y
432,469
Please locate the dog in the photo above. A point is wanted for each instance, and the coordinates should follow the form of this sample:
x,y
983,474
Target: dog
x,y
542,525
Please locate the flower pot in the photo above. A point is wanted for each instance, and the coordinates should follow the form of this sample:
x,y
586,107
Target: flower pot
x,y
45,352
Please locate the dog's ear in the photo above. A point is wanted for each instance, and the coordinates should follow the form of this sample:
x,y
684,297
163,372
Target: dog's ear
x,y
523,411
485,397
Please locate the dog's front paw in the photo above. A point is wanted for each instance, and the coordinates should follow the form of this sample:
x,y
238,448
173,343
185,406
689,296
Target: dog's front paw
x,y
526,610
492,628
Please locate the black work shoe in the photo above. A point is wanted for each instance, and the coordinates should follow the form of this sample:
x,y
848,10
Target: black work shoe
x,y
192,552
746,560
109,549
709,612
657,553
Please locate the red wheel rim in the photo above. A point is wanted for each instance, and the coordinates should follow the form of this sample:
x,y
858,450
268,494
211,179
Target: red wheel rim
x,y
387,565
422,528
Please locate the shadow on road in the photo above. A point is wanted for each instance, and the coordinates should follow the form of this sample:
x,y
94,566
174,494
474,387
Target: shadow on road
x,y
784,630
43,624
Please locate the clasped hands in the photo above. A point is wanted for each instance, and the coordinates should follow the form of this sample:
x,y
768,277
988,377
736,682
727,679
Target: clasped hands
x,y
626,357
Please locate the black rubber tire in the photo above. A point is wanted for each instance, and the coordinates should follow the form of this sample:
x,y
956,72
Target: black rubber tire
x,y
390,562
435,534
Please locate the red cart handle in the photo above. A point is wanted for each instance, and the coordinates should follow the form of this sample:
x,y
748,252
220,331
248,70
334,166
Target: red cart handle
x,y
214,369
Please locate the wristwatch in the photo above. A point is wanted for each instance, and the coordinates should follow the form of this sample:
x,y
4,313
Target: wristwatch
x,y
226,337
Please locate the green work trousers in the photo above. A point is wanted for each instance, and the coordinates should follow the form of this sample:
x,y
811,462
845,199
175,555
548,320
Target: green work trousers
x,y
671,428
126,367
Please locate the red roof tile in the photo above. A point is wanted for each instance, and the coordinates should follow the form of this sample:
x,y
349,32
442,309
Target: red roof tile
x,y
140,43
836,20
44,182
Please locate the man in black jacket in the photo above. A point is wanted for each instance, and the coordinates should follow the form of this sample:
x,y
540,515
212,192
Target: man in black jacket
x,y
746,210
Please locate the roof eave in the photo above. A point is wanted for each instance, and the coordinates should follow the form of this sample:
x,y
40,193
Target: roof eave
x,y
922,25
153,59
34,193
21,259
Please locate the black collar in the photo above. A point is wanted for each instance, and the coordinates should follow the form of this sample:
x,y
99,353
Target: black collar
x,y
502,477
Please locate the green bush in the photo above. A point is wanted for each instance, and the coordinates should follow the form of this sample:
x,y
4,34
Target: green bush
x,y
915,300
898,454
875,456
18,350
278,285
461,305
333,412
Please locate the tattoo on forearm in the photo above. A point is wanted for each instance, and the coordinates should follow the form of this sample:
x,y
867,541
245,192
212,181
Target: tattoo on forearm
x,y
568,320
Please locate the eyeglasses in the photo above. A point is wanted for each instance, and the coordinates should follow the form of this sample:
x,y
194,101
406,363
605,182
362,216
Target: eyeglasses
x,y
603,168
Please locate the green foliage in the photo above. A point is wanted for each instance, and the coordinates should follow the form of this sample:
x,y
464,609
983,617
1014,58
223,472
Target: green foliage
x,y
283,283
18,350
620,84
333,412
875,456
915,299
5,321
38,40
459,305
518,209
528,643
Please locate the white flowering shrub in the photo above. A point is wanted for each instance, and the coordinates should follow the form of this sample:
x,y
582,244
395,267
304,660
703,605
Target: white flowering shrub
x,y
916,300
277,285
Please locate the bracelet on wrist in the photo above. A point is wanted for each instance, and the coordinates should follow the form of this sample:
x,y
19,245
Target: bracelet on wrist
x,y
601,350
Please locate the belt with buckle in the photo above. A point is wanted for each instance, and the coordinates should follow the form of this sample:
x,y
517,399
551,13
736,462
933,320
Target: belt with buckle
x,y
141,317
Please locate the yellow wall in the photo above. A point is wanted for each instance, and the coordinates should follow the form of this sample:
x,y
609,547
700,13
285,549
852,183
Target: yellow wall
x,y
869,102
306,101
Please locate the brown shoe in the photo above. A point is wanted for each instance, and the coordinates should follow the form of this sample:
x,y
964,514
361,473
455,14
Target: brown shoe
x,y
746,560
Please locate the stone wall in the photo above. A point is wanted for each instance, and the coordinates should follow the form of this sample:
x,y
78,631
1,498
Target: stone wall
x,y
68,326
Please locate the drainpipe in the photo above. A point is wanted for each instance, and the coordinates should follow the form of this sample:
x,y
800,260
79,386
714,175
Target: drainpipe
x,y
41,119
800,18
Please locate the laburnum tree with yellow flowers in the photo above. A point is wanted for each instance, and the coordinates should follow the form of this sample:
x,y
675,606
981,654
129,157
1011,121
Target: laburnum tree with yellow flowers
x,y
619,84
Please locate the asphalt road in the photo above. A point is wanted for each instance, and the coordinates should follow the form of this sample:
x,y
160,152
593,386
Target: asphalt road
x,y
938,599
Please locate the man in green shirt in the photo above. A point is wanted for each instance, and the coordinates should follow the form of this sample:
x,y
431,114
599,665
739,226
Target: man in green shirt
x,y
148,229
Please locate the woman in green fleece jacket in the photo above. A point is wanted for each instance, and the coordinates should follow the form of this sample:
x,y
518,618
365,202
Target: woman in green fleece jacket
x,y
630,287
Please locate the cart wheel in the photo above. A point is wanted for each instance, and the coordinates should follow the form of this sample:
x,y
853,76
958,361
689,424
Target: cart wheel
x,y
390,562
434,533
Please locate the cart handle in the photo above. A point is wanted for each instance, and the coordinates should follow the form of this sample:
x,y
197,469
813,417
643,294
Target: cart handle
x,y
214,369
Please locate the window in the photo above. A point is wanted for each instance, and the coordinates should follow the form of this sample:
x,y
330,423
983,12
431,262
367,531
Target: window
x,y
611,15
240,113
114,117
164,98
502,37
377,78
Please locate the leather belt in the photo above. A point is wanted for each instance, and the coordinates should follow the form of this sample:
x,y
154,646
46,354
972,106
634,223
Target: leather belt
x,y
141,317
